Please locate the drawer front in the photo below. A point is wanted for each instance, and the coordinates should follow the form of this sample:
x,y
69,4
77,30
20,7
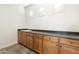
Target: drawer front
x,y
66,49
70,42
46,37
51,38
55,39
38,36
29,34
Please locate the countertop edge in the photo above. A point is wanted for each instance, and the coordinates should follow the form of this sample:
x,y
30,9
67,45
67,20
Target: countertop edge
x,y
75,37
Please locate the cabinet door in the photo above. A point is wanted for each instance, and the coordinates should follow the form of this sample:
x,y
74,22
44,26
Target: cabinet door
x,y
27,41
31,42
22,38
65,49
38,43
19,36
50,47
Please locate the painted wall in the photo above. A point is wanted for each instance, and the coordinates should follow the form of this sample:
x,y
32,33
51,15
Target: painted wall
x,y
12,17
53,17
44,17
71,22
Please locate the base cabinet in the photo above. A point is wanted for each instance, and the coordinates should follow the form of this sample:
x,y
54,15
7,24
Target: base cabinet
x,y
69,46
25,39
45,44
22,38
50,48
50,45
66,49
38,43
19,37
29,40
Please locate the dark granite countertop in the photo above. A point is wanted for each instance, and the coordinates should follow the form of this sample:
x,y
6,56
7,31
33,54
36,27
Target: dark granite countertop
x,y
55,33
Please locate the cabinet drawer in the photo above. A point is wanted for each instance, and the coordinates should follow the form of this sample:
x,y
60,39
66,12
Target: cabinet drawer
x,y
55,39
70,42
29,34
66,49
51,38
38,36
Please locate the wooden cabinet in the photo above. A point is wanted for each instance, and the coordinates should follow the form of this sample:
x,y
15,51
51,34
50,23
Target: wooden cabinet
x,y
38,43
66,49
22,38
29,40
26,39
71,42
69,46
50,45
19,36
50,38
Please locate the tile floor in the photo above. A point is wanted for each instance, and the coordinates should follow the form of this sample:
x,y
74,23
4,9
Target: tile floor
x,y
16,49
